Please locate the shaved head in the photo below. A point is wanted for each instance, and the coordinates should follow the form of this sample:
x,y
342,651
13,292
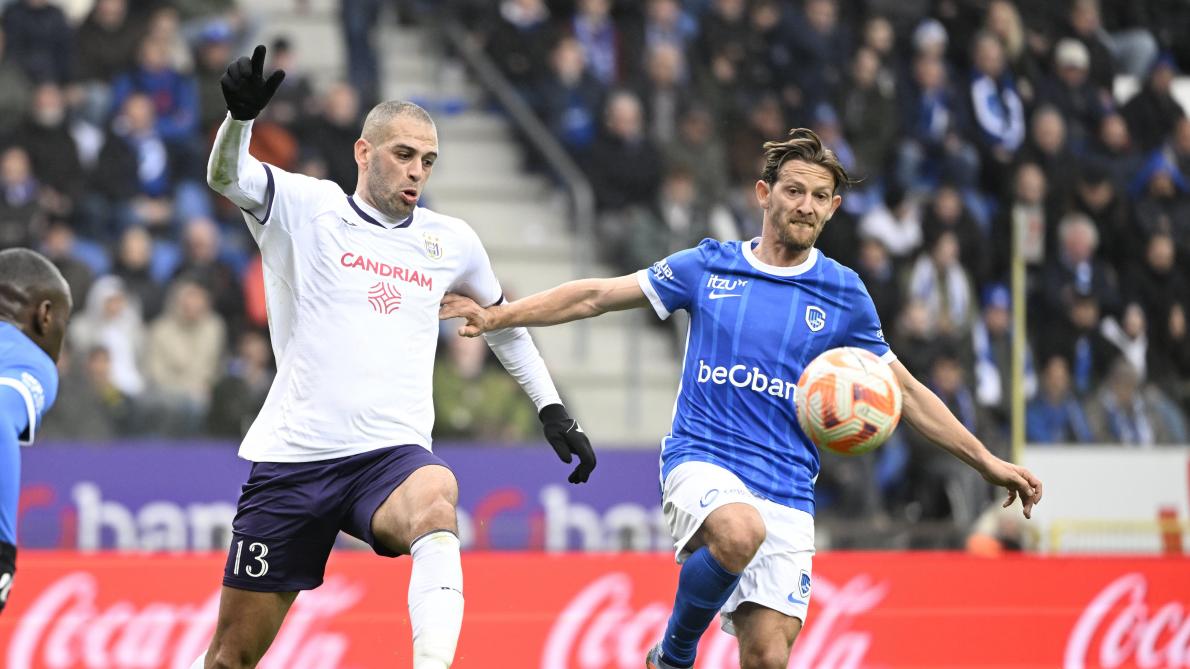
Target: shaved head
x,y
35,297
378,124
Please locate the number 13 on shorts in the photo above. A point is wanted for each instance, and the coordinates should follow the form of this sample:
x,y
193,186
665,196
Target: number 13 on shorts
x,y
255,565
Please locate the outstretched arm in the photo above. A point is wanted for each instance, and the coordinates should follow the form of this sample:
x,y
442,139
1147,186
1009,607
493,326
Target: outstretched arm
x,y
570,301
928,415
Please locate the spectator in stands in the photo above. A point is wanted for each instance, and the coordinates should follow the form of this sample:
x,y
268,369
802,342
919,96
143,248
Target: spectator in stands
x,y
765,121
1084,25
14,104
1130,412
1130,51
520,39
88,406
1078,338
1027,214
991,347
107,41
1097,197
112,320
1159,287
62,247
896,222
1129,335
668,22
183,353
996,109
931,145
132,180
821,50
1113,150
880,277
1004,21
39,39
47,138
359,19
1152,113
946,212
698,151
1180,145
940,282
1162,199
868,111
1073,94
213,51
1054,415
593,27
663,93
1076,270
331,134
202,263
1048,148
569,99
239,394
475,400
625,165
20,212
294,100
173,94
915,338
133,264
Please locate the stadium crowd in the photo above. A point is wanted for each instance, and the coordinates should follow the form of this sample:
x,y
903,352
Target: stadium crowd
x,y
965,120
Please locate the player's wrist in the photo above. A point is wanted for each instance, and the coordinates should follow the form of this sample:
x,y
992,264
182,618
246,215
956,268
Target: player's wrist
x,y
553,413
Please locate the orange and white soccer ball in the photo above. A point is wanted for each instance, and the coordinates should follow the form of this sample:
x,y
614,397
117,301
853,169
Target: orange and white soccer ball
x,y
849,402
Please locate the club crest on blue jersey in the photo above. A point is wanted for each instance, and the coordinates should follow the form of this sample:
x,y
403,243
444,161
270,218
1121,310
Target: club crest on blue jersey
x,y
815,318
803,584
433,246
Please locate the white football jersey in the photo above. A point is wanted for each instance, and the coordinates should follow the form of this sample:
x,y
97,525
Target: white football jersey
x,y
353,314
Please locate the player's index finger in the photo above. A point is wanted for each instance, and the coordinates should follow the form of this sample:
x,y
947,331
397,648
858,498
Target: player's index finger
x,y
258,61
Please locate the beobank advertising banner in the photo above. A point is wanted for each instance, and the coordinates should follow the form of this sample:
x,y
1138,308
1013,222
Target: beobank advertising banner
x,y
603,611
181,496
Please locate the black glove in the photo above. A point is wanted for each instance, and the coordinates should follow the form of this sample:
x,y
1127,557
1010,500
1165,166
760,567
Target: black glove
x,y
567,438
245,88
8,568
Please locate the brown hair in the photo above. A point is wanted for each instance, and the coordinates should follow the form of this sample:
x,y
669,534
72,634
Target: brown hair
x,y
803,144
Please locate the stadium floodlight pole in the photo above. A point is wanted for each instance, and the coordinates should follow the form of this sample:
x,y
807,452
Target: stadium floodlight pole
x,y
1019,341
581,193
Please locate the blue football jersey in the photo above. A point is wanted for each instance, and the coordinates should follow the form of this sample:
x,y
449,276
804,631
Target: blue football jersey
x,y
29,371
753,329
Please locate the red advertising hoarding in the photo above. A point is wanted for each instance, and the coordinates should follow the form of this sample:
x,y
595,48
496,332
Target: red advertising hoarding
x,y
584,611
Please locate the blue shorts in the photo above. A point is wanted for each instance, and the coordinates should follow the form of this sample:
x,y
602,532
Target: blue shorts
x,y
289,514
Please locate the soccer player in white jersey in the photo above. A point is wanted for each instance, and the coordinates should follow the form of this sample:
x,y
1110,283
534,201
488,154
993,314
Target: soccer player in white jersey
x,y
737,473
353,284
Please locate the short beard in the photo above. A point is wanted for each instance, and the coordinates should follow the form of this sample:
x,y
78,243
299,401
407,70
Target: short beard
x,y
393,208
786,239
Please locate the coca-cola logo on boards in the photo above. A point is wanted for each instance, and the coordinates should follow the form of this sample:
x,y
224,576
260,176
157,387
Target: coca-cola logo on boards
x,y
67,628
601,628
1119,628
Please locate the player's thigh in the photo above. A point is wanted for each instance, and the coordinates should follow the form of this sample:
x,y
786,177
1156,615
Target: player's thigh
x,y
765,636
423,502
248,623
705,504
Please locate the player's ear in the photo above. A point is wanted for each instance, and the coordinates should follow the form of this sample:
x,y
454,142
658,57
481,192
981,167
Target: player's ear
x,y
362,149
43,317
762,193
835,202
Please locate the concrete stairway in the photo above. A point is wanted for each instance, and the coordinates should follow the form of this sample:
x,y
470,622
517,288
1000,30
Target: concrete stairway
x,y
623,388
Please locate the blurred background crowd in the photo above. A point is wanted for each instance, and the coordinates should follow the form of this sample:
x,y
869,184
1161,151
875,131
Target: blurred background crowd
x,y
966,121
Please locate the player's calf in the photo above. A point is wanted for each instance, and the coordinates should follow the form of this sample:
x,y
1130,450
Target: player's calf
x,y
435,599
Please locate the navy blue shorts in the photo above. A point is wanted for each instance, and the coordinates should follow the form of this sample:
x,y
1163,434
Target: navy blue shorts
x,y
289,514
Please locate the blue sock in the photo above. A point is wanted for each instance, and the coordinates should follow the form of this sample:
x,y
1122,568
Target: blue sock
x,y
703,587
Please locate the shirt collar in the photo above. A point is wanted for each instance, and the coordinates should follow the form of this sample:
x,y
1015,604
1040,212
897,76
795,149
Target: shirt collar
x,y
373,216
800,268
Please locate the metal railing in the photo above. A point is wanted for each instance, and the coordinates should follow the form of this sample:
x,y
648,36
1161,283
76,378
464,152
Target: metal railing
x,y
582,196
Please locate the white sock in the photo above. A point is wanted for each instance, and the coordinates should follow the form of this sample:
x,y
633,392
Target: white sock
x,y
435,599
200,663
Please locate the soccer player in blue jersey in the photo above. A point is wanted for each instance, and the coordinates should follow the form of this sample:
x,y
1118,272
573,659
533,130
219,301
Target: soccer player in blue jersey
x,y
34,308
737,473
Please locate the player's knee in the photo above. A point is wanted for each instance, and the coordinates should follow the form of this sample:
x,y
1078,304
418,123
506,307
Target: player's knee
x,y
226,657
772,654
439,514
735,541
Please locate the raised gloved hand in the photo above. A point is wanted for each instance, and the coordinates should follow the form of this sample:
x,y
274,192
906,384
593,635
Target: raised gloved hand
x,y
568,439
244,87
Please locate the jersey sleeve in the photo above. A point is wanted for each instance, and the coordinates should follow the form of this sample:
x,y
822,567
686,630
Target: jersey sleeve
x,y
476,279
865,331
670,283
37,389
288,198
